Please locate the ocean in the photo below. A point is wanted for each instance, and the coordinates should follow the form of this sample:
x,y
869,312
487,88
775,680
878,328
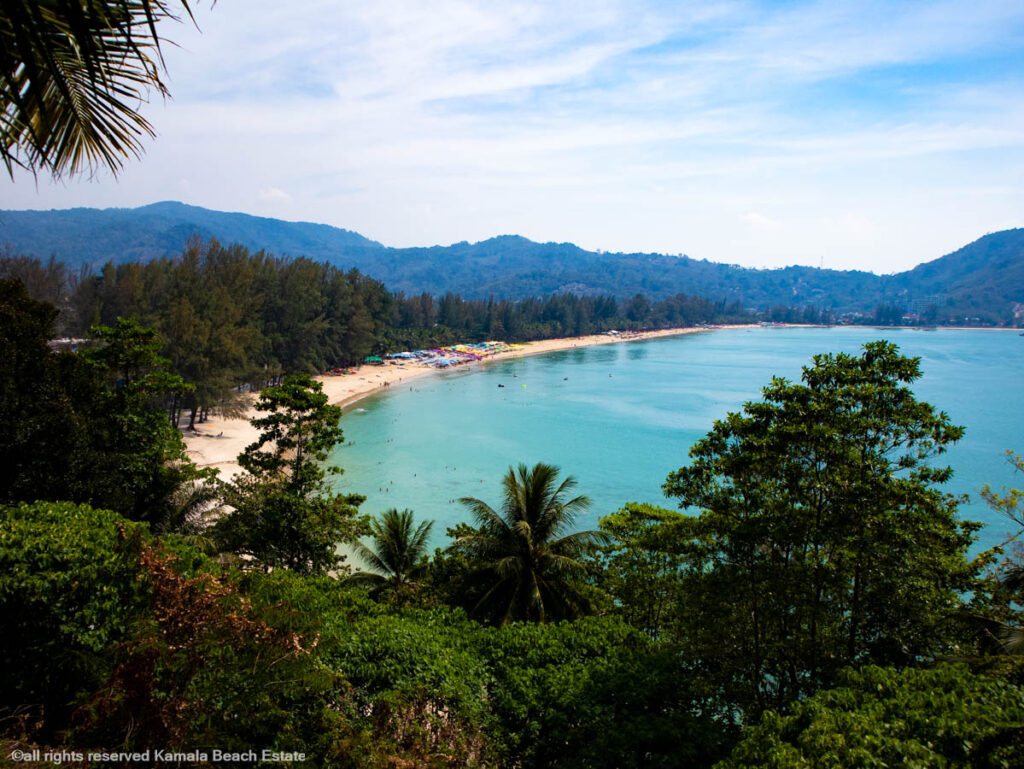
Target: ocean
x,y
620,417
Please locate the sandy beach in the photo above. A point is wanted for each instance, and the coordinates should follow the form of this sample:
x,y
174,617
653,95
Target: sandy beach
x,y
218,441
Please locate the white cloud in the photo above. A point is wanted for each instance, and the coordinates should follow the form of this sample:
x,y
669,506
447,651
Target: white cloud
x,y
760,221
621,125
273,194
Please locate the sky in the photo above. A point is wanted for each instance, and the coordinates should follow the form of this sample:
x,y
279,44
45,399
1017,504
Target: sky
x,y
854,135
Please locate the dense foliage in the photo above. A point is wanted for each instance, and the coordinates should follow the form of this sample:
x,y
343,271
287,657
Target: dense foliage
x,y
283,513
119,640
87,427
820,546
943,717
397,556
822,539
641,563
528,558
68,595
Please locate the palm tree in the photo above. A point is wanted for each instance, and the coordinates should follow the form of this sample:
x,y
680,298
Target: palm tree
x,y
396,557
72,76
1013,635
531,564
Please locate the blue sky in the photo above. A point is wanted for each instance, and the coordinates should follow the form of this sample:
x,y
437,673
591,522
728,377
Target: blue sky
x,y
867,135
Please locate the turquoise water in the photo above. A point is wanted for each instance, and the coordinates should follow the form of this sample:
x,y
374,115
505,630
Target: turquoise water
x,y
620,417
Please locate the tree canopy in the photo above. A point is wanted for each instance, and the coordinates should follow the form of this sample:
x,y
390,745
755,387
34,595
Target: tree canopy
x,y
87,427
943,717
284,515
822,538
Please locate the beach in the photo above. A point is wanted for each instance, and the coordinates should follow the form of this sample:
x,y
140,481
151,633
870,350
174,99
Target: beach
x,y
218,441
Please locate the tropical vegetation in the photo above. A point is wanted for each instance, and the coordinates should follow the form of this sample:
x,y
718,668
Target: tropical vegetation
x,y
944,716
72,76
822,519
397,556
529,560
801,609
284,515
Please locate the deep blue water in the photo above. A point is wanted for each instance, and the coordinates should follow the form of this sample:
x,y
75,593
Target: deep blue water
x,y
620,417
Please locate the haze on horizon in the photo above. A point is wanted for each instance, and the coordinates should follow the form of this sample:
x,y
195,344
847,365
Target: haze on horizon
x,y
872,135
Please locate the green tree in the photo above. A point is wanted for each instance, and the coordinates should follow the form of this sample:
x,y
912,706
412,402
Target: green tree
x,y
210,337
945,717
642,564
597,694
68,594
37,415
285,516
144,452
822,539
421,678
72,75
1009,502
452,576
997,607
87,427
397,556
534,569
114,637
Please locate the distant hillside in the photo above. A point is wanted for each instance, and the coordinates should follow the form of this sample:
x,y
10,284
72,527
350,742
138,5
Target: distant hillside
x,y
982,279
95,236
985,274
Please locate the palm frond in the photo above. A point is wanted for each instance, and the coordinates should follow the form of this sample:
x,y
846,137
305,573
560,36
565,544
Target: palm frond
x,y
580,542
72,76
371,559
532,571
1013,578
398,548
484,515
562,566
1013,640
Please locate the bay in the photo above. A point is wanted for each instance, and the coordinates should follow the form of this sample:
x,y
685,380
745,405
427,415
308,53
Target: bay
x,y
620,417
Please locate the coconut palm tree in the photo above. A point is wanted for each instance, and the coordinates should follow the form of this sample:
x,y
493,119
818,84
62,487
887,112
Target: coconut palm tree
x,y
396,557
72,76
530,558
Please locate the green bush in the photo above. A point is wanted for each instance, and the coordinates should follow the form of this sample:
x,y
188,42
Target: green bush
x,y
69,593
594,693
878,717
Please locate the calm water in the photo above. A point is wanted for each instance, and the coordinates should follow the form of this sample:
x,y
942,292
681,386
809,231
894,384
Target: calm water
x,y
621,417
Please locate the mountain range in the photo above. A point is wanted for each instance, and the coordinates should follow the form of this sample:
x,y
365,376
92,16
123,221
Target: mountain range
x,y
984,279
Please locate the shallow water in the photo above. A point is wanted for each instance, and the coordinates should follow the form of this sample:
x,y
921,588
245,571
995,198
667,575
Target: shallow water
x,y
620,417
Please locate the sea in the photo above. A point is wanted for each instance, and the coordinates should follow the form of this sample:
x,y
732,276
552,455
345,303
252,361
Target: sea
x,y
619,418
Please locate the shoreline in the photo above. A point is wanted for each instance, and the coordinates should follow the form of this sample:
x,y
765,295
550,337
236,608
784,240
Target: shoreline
x,y
218,441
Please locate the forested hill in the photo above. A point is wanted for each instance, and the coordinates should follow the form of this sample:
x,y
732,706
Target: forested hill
x,y
983,279
95,236
986,273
